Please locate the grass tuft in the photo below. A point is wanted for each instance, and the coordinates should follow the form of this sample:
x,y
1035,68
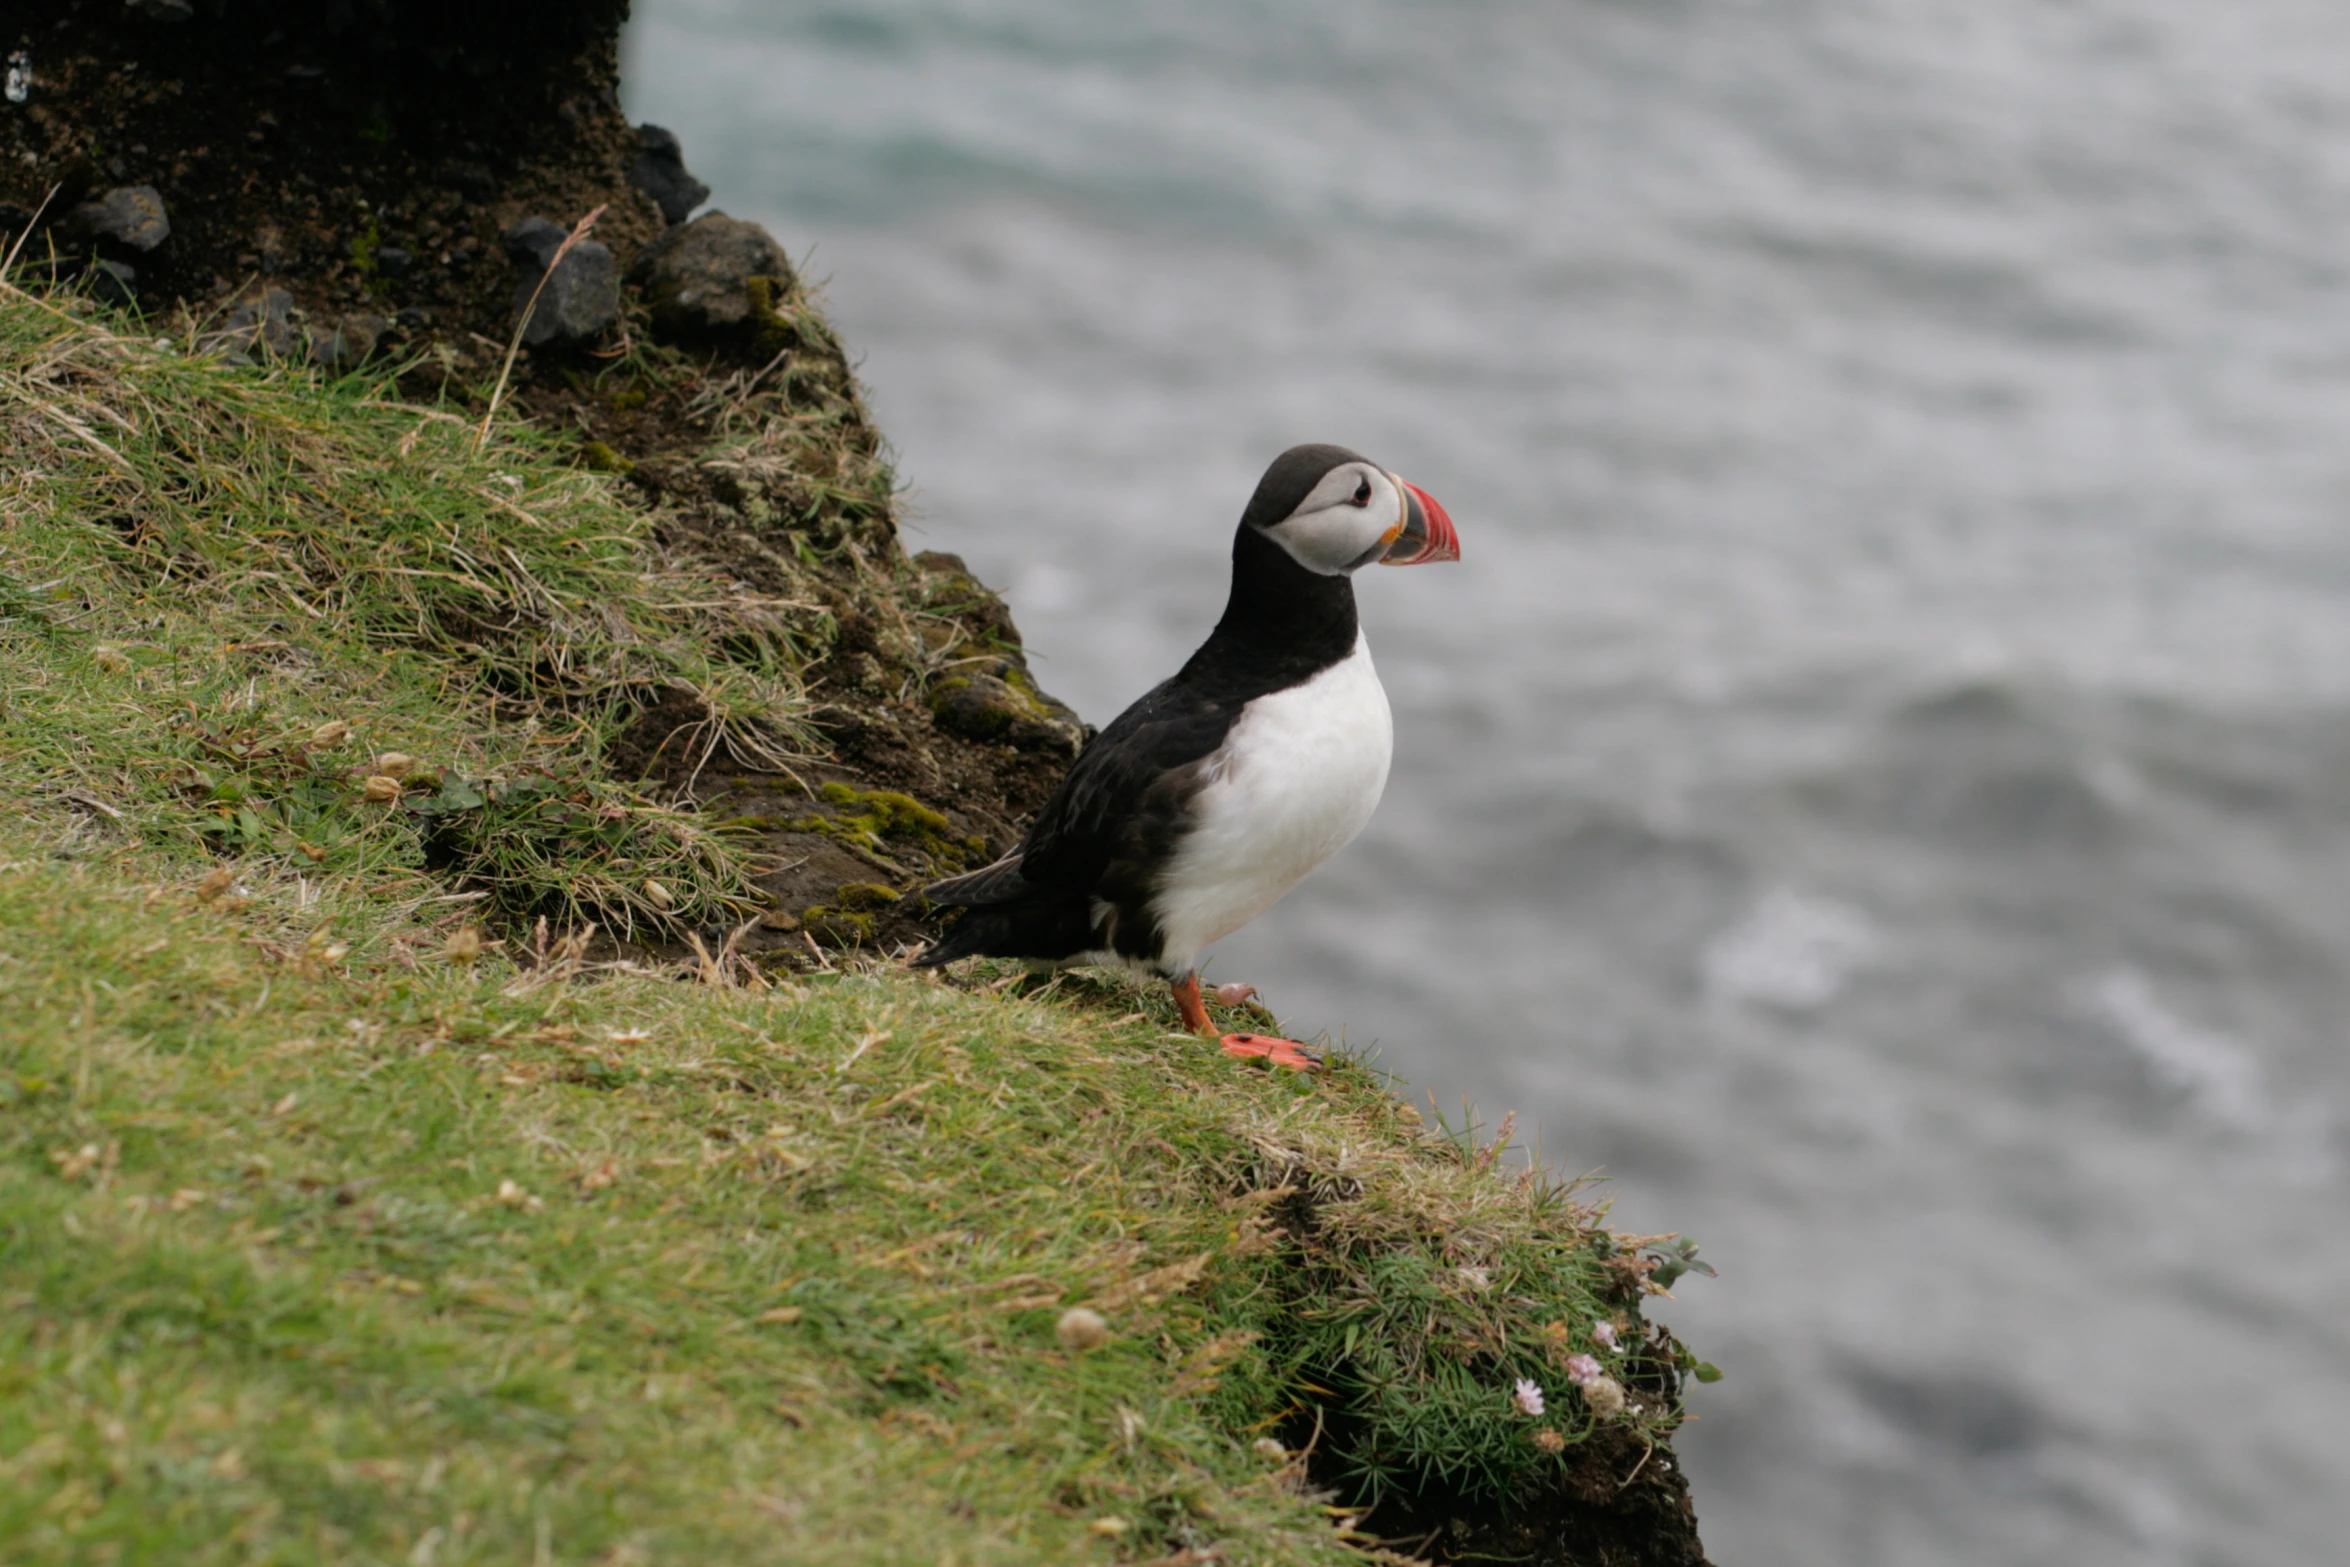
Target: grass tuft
x,y
202,563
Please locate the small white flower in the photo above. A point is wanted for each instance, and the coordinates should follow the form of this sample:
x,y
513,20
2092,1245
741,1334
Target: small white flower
x,y
1528,1396
1605,1332
1582,1370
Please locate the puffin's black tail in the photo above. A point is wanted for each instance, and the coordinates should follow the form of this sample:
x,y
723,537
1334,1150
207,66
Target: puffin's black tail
x,y
1007,917
1021,930
997,883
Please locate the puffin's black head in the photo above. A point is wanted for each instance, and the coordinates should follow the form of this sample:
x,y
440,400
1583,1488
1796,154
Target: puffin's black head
x,y
1334,511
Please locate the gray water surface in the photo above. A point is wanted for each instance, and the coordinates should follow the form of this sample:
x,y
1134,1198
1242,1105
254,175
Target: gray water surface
x,y
1879,782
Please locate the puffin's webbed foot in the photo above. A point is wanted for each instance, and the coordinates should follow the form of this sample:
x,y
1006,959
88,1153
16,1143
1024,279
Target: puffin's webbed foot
x,y
1281,1052
1246,1046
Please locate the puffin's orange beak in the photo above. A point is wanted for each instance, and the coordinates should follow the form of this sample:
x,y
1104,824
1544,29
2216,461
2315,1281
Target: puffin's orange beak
x,y
1427,532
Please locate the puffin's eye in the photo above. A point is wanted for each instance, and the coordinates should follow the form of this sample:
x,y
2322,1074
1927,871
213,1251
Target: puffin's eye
x,y
1362,495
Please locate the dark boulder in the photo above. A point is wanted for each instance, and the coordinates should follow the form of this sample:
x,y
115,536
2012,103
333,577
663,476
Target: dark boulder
x,y
577,300
348,341
660,173
697,277
262,320
130,216
115,282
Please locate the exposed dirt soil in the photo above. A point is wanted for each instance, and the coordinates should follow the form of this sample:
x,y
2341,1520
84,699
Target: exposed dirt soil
x,y
293,142
1622,1505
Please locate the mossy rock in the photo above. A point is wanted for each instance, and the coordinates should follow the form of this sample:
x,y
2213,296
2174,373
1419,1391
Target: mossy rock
x,y
949,588
881,822
864,897
875,815
716,277
603,459
772,331
831,927
1000,705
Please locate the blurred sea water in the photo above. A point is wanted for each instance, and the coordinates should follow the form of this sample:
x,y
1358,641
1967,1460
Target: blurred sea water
x,y
1878,785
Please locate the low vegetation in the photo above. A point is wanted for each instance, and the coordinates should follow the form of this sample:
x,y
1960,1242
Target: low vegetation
x,y
355,1207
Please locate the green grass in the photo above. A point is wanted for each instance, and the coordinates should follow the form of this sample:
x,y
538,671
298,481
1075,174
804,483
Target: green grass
x,y
213,563
358,1258
328,1234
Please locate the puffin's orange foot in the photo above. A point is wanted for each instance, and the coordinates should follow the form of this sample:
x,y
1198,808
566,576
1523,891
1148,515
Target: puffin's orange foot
x,y
1281,1052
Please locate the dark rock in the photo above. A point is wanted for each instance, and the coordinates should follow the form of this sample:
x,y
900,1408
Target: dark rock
x,y
352,339
952,591
116,283
697,276
660,173
475,179
129,215
412,319
392,261
163,10
263,320
533,242
581,296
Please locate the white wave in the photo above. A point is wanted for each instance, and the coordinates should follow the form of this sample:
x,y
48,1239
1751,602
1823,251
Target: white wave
x,y
1794,950
2221,1077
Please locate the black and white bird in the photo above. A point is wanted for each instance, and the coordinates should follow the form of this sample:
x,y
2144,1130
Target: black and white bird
x,y
1217,792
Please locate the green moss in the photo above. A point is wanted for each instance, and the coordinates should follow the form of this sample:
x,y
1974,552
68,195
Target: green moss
x,y
603,459
772,331
901,815
864,897
364,245
884,818
833,927
1013,675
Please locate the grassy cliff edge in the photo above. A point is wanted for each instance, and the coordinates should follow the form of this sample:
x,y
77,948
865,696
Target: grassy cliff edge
x,y
366,1202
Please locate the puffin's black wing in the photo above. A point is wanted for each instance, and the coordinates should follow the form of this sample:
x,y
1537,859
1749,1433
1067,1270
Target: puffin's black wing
x,y
1102,836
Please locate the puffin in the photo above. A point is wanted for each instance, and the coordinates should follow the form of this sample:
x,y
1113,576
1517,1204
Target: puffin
x,y
1226,784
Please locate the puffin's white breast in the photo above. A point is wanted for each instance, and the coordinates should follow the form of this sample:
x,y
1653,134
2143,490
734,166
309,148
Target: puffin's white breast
x,y
1299,775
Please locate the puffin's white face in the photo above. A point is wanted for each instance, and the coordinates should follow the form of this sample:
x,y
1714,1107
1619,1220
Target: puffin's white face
x,y
1356,515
